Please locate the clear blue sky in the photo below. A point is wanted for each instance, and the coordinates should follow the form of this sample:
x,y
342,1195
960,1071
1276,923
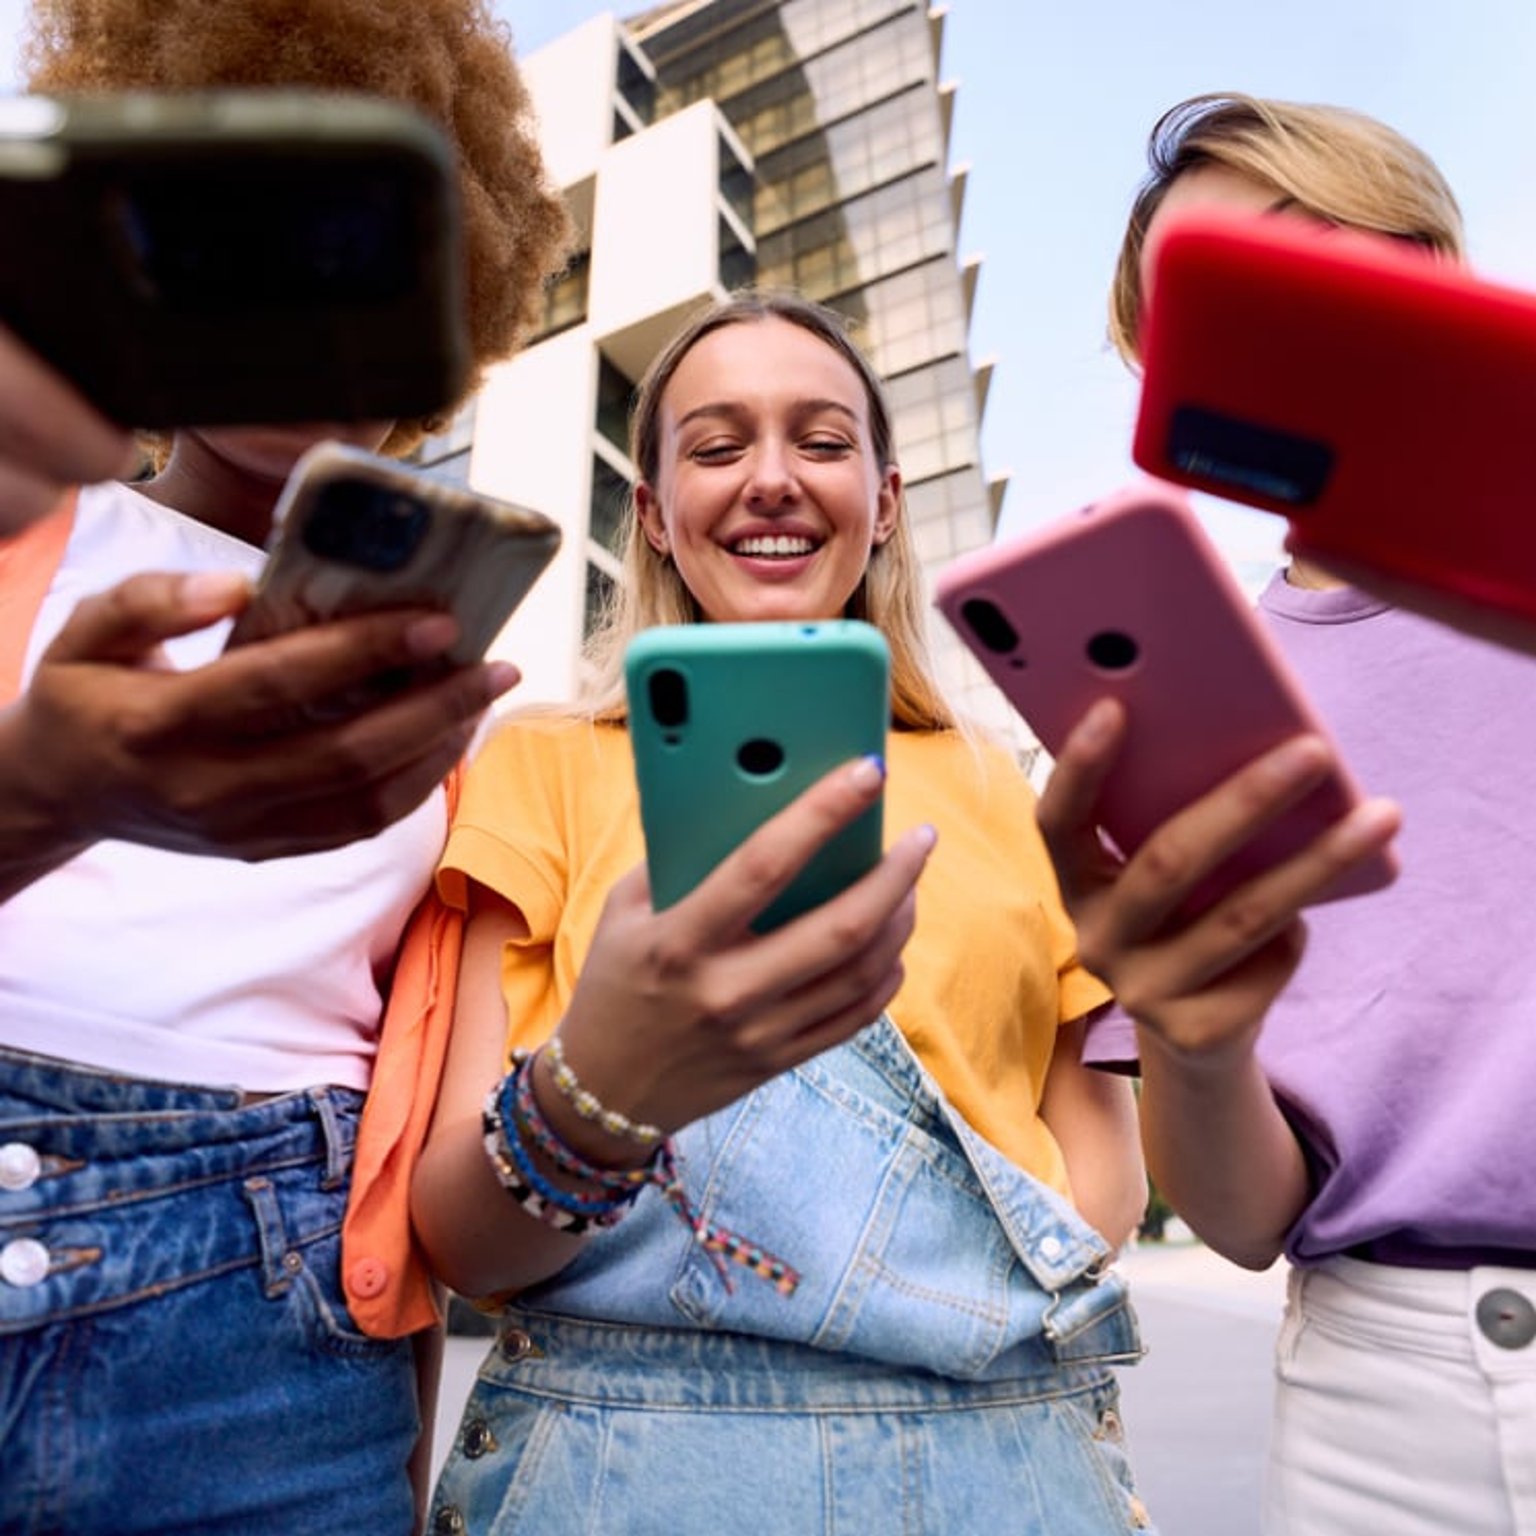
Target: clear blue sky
x,y
1054,104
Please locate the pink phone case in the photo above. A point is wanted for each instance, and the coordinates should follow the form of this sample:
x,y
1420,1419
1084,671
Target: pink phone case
x,y
1130,599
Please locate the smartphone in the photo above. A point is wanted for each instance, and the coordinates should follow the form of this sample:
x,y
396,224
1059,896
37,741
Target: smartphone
x,y
730,722
356,532
1129,599
1378,398
236,256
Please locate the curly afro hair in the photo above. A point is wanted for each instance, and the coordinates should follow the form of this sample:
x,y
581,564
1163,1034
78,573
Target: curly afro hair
x,y
450,59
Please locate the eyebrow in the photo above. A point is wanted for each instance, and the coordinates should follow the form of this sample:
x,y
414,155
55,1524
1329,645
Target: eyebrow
x,y
732,411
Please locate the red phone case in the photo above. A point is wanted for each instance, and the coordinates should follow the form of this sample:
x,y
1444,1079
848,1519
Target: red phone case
x,y
1382,400
1130,599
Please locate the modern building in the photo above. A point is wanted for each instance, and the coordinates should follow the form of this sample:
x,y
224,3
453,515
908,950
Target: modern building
x,y
706,144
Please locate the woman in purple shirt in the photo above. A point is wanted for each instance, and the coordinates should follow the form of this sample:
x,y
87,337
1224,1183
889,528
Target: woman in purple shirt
x,y
1355,1095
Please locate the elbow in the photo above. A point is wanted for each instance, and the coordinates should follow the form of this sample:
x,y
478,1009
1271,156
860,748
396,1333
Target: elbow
x,y
1254,1256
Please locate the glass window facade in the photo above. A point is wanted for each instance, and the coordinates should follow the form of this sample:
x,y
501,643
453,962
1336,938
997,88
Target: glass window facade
x,y
635,86
614,393
933,415
859,242
820,91
610,495
893,139
565,298
909,319
599,586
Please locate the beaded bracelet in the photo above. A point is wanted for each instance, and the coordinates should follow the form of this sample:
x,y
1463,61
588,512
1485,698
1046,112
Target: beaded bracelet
x,y
589,1106
530,1122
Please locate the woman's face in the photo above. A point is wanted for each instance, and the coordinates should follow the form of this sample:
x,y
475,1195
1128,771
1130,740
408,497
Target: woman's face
x,y
767,496
266,454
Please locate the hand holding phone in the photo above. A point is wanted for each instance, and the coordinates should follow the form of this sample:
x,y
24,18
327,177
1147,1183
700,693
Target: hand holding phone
x,y
236,256
1377,397
1128,599
357,532
730,722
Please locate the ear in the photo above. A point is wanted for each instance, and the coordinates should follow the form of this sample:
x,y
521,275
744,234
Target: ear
x,y
652,524
888,506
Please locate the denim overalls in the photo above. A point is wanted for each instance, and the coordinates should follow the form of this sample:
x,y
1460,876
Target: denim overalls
x,y
943,1366
175,1354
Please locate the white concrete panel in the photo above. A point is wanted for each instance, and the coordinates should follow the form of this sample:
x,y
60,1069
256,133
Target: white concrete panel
x,y
655,239
571,80
533,445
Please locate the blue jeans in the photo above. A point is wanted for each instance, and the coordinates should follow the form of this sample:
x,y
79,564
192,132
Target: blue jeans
x,y
943,1367
175,1353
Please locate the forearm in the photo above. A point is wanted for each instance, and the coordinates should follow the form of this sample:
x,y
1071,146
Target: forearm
x,y
479,1241
1092,1115
35,836
1220,1150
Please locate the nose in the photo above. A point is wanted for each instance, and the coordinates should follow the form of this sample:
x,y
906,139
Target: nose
x,y
772,481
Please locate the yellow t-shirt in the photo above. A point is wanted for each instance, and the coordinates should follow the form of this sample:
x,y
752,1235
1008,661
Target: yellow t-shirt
x,y
549,819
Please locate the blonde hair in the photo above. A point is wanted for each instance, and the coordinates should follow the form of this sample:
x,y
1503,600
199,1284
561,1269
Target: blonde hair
x,y
1335,164
653,592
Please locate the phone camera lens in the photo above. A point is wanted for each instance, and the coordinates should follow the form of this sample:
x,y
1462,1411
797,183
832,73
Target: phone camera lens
x,y
991,628
1112,650
669,697
365,526
760,757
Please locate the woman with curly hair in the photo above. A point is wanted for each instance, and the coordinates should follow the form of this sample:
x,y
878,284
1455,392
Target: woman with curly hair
x,y
210,1311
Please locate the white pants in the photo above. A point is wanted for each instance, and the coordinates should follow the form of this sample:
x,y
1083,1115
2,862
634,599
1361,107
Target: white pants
x,y
1405,1402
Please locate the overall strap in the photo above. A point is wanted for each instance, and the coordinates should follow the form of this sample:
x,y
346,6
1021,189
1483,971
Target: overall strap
x,y
28,562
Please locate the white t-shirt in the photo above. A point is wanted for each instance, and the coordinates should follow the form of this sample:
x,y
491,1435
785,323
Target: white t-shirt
x,y
202,970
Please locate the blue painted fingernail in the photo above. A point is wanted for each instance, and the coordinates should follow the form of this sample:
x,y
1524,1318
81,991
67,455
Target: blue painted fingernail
x,y
868,772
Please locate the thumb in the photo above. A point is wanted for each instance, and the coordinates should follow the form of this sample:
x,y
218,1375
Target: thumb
x,y
127,622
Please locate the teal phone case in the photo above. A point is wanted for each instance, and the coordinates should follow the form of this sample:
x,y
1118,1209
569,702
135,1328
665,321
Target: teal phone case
x,y
730,722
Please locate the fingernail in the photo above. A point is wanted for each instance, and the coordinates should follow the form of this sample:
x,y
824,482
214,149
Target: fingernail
x,y
1094,728
1366,824
868,773
926,836
1295,759
432,635
500,677
214,592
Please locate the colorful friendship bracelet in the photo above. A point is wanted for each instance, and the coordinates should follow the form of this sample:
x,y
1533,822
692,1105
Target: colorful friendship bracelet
x,y
530,1122
512,1113
555,1212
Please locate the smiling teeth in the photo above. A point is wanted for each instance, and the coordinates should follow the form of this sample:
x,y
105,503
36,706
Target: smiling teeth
x,y
779,544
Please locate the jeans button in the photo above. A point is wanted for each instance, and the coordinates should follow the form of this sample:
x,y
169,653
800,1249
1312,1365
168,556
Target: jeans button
x,y
516,1345
448,1522
19,1166
478,1439
24,1261
1507,1318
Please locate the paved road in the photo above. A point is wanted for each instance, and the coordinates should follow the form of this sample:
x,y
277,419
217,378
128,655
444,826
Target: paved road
x,y
1196,1409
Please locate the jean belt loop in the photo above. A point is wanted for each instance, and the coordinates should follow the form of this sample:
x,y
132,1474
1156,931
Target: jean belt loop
x,y
338,1148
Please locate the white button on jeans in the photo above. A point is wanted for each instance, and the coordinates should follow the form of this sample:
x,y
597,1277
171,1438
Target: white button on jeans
x,y
19,1166
24,1261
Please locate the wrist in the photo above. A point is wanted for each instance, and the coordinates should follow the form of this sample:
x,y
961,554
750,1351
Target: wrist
x,y
584,1133
1215,1056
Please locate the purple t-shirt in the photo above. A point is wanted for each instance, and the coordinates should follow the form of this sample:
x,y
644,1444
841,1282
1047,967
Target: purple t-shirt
x,y
1404,1049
